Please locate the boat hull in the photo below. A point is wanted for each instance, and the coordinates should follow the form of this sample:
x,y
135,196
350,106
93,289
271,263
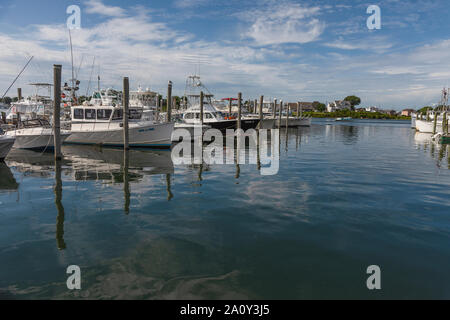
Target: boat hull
x,y
141,135
35,138
5,146
428,126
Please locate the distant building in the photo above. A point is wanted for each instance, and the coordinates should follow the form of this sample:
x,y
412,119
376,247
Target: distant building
x,y
407,112
339,105
372,109
389,112
304,106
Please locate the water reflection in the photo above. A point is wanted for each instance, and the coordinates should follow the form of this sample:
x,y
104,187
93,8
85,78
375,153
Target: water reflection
x,y
7,180
86,163
437,151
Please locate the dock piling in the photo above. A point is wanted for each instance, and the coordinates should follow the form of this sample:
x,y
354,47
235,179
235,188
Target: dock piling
x,y
287,116
261,101
435,122
19,94
126,112
169,101
280,113
201,108
274,110
229,108
57,110
298,110
239,110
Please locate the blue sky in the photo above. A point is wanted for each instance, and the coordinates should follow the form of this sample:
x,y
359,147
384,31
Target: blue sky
x,y
291,50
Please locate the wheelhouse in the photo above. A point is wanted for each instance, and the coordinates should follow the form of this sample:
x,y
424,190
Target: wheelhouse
x,y
103,114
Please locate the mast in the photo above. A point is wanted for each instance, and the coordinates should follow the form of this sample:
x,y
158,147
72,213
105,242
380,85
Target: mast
x,y
71,57
23,69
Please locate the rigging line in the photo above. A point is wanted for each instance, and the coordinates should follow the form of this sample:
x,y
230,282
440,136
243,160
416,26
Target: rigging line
x,y
90,78
17,76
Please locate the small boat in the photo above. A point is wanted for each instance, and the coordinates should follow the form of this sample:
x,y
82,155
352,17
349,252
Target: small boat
x,y
6,143
344,119
35,134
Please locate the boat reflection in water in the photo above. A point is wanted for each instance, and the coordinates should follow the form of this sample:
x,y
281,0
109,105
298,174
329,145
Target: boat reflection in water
x,y
437,151
7,180
84,163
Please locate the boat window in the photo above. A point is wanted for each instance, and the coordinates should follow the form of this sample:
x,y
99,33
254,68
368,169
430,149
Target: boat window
x,y
197,116
89,114
135,114
78,114
209,116
118,114
104,114
189,116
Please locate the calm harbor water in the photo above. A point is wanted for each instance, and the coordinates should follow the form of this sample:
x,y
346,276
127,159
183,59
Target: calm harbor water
x,y
347,196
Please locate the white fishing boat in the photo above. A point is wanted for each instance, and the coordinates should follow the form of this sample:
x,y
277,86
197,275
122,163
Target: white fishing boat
x,y
35,134
6,143
35,106
103,125
413,120
430,124
211,116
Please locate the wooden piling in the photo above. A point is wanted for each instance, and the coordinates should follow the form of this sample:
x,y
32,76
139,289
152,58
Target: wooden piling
x,y
57,110
239,110
19,94
280,114
169,101
274,110
435,122
201,108
261,102
444,124
287,116
298,110
4,117
229,107
126,112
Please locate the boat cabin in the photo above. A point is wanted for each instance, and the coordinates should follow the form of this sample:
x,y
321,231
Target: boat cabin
x,y
103,114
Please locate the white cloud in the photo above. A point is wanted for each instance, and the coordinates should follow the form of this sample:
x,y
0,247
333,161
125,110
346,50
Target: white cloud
x,y
182,4
285,23
97,7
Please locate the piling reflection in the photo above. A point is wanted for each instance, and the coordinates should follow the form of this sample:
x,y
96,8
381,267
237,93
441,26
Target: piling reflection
x,y
60,243
126,181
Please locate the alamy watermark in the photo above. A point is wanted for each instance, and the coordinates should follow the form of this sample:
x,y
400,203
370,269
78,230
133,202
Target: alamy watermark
x,y
74,20
237,147
74,280
374,21
374,281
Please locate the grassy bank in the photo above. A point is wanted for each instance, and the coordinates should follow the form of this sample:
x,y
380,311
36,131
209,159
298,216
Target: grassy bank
x,y
355,115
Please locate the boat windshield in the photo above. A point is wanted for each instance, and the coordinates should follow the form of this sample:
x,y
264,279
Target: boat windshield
x,y
35,123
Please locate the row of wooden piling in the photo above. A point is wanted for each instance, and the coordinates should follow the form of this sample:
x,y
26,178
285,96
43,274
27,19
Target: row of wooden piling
x,y
57,70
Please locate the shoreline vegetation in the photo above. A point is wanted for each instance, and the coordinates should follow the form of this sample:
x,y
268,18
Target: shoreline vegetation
x,y
355,115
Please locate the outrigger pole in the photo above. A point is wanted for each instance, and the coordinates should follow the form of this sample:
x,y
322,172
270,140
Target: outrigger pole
x,y
18,76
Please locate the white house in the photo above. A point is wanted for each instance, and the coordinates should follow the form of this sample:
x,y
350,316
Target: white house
x,y
339,105
372,109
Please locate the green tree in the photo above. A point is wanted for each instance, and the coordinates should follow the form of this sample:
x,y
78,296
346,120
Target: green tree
x,y
354,100
6,100
425,109
320,107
